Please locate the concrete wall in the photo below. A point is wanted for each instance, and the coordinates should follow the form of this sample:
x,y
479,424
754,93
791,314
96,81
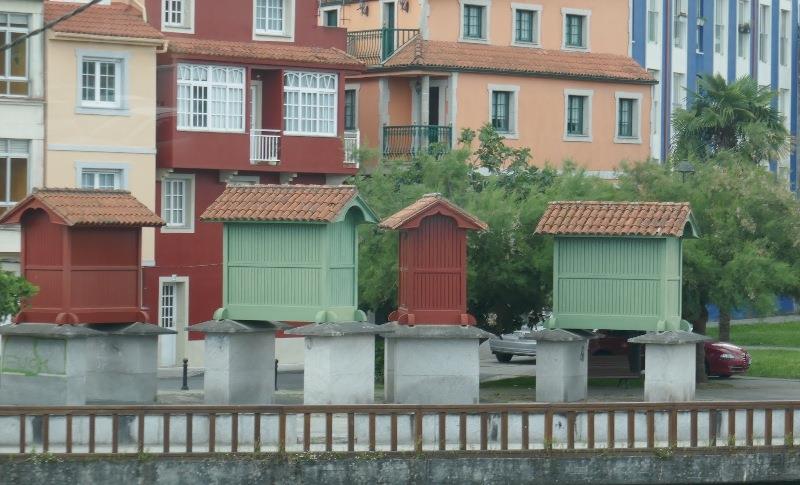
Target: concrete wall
x,y
689,468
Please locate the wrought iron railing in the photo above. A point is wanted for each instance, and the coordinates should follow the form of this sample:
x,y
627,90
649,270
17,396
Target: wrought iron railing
x,y
375,46
265,146
352,142
411,140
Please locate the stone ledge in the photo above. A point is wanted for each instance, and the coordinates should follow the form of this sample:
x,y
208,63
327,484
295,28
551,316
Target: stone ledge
x,y
669,338
560,335
232,326
49,330
137,329
336,329
396,330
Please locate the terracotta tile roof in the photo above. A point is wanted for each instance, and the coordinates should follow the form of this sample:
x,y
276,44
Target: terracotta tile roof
x,y
262,51
115,20
302,203
429,203
615,218
86,207
508,59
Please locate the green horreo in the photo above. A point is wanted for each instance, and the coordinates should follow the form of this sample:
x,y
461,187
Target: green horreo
x,y
617,266
290,253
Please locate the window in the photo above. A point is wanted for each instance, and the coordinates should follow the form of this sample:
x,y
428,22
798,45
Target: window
x,y
526,26
575,31
330,18
653,20
720,22
784,105
679,15
578,116
678,90
700,25
501,111
103,179
13,171
474,22
575,119
309,100
656,100
763,33
101,83
628,118
13,61
270,17
177,14
743,39
168,307
177,201
350,109
210,98
785,30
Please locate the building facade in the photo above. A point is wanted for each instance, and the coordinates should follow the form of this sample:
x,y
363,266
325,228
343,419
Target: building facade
x,y
678,40
551,75
21,115
247,92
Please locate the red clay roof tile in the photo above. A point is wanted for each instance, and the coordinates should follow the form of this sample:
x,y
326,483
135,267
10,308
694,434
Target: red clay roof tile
x,y
115,20
509,59
428,203
615,218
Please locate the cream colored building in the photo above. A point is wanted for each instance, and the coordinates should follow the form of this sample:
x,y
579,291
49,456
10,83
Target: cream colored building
x,y
101,110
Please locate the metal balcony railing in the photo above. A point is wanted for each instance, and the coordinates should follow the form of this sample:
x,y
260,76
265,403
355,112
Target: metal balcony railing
x,y
375,46
352,142
265,146
407,141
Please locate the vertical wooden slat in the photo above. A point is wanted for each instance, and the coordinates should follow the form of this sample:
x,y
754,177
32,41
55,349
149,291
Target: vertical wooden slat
x,y
257,432
548,429
693,429
672,431
504,430
631,428
371,431
731,427
611,431
351,432
140,433
484,431
749,427
114,433
328,431
306,431
590,429
418,431
525,431
571,430
46,433
69,433
166,432
91,432
651,429
393,432
442,431
212,432
462,431
282,431
189,437
234,432
788,427
768,427
712,428
22,438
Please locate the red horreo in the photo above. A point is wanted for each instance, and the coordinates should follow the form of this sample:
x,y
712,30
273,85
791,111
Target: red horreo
x,y
82,249
433,262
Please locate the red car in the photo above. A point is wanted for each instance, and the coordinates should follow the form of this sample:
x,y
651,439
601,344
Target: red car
x,y
722,359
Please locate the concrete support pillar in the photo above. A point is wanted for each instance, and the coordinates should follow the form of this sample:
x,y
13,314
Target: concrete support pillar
x,y
240,362
43,364
669,365
123,363
432,364
339,362
425,93
561,365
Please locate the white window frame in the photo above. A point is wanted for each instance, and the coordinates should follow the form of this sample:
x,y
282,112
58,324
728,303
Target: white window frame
x,y
784,37
5,36
187,17
285,35
537,24
210,85
587,29
6,154
357,88
513,119
785,105
180,283
764,33
316,91
123,169
653,10
188,201
720,26
680,18
637,117
587,114
678,90
120,107
324,11
487,19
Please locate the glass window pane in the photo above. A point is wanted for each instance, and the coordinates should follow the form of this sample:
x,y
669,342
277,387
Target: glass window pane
x,y
19,179
4,195
19,56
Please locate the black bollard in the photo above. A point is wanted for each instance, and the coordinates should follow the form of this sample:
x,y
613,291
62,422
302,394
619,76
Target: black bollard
x,y
276,374
185,386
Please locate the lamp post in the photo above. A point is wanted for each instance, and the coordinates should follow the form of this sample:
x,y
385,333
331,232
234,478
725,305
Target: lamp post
x,y
685,168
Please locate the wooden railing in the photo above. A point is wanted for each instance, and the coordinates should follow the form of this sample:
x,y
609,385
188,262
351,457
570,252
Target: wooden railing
x,y
265,146
408,141
375,46
601,427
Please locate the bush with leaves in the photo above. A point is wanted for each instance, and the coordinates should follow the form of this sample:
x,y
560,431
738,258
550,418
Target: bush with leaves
x,y
13,290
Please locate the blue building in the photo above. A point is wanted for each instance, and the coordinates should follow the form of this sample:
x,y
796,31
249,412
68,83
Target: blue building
x,y
677,40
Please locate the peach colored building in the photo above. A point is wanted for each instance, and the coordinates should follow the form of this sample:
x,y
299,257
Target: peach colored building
x,y
552,75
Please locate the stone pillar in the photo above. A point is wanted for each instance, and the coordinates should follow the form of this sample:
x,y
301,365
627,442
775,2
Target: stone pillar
x,y
432,364
561,365
44,364
339,362
669,365
123,363
240,361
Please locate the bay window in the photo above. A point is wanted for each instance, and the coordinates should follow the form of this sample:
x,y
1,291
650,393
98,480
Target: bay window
x,y
210,98
309,100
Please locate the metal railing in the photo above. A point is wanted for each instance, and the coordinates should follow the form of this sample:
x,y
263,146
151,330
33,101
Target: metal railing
x,y
352,142
407,141
527,428
265,146
375,46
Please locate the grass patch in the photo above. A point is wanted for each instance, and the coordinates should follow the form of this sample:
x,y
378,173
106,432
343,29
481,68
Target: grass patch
x,y
772,334
530,383
775,363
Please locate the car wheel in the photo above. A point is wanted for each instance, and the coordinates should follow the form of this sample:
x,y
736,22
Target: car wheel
x,y
503,357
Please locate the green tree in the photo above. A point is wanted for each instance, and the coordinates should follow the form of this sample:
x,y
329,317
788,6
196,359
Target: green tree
x,y
729,118
13,290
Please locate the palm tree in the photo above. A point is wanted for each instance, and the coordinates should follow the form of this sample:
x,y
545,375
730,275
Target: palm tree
x,y
736,118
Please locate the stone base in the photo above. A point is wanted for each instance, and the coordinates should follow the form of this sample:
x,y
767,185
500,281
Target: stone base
x,y
669,365
44,365
561,366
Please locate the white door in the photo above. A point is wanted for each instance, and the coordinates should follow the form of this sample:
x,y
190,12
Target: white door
x,y
168,309
255,105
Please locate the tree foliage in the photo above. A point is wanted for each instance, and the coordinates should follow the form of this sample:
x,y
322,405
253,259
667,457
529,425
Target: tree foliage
x,y
13,289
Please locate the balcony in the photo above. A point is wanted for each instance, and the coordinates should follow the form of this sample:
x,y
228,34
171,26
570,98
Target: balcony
x,y
265,147
352,142
375,46
411,140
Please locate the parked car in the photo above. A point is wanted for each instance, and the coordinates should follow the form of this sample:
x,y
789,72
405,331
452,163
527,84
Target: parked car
x,y
507,345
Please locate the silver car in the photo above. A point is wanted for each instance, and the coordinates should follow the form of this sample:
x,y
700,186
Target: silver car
x,y
510,344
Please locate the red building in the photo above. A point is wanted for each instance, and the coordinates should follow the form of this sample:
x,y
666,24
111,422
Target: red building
x,y
248,92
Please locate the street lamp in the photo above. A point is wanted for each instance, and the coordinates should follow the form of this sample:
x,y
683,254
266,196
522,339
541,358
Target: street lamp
x,y
684,168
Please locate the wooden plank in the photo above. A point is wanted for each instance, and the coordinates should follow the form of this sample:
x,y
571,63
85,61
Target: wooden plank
x,y
114,433
672,431
371,431
631,428
768,427
282,431
731,427
189,423
166,432
611,431
712,428
418,431
234,432
393,432
69,434
788,427
91,432
257,432
693,428
328,431
525,431
484,431
442,431
46,433
590,429
504,430
651,429
571,430
23,419
749,427
212,432
306,432
351,432
548,429
462,431
140,433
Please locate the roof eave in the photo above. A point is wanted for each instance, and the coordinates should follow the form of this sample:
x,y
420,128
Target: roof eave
x,y
368,215
389,69
108,39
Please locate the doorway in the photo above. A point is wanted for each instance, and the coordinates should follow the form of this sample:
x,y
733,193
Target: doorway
x,y
388,22
255,105
172,315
